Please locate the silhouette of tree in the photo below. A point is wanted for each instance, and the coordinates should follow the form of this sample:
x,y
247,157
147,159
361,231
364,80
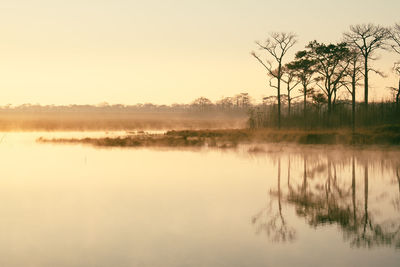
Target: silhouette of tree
x,y
395,36
331,65
269,100
303,69
319,99
289,77
202,103
354,72
367,38
396,90
242,101
225,103
276,47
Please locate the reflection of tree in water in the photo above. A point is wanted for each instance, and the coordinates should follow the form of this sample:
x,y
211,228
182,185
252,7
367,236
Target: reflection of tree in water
x,y
364,232
271,221
328,201
322,203
396,201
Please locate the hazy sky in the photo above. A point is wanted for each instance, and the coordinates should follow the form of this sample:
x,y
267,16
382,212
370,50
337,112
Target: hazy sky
x,y
165,51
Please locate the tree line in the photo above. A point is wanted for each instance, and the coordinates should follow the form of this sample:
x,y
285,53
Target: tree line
x,y
321,72
237,104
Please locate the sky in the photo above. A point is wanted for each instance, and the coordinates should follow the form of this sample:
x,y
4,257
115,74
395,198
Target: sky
x,y
166,51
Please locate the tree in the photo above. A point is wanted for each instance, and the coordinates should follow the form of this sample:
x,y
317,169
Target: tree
x,y
289,78
395,36
354,72
276,47
367,38
242,101
318,99
331,65
269,100
396,91
225,103
202,103
303,68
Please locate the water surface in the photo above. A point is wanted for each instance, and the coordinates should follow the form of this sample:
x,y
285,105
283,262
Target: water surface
x,y
77,205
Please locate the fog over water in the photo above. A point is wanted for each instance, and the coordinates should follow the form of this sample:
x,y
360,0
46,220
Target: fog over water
x,y
78,205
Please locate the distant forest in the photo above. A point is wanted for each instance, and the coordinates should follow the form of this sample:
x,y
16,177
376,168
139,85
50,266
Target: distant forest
x,y
238,104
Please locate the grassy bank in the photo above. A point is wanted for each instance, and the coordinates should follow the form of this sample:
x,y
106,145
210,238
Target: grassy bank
x,y
383,135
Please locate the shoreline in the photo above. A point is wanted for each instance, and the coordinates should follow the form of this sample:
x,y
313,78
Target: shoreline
x,y
230,138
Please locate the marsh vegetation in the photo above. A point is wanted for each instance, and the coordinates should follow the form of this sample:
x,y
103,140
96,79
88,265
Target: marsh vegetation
x,y
230,138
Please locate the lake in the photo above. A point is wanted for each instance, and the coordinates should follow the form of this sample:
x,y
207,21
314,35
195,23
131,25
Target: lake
x,y
79,205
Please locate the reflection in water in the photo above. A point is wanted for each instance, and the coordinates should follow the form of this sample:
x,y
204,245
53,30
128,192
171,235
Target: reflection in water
x,y
320,196
68,205
271,221
396,201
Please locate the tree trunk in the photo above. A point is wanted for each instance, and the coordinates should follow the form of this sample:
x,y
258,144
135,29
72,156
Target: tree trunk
x,y
288,97
329,103
305,104
397,97
397,100
328,121
279,94
353,103
334,99
366,82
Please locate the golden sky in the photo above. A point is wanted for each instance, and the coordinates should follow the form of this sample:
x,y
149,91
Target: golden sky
x,y
165,51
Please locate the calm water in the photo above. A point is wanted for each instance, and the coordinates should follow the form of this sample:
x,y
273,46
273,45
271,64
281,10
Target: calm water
x,y
73,205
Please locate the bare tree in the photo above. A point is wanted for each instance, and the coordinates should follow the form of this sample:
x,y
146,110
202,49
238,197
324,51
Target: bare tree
x,y
276,47
395,36
367,38
396,91
354,72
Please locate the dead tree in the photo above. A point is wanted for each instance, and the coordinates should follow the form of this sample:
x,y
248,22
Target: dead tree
x,y
396,90
395,36
354,74
367,38
276,47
